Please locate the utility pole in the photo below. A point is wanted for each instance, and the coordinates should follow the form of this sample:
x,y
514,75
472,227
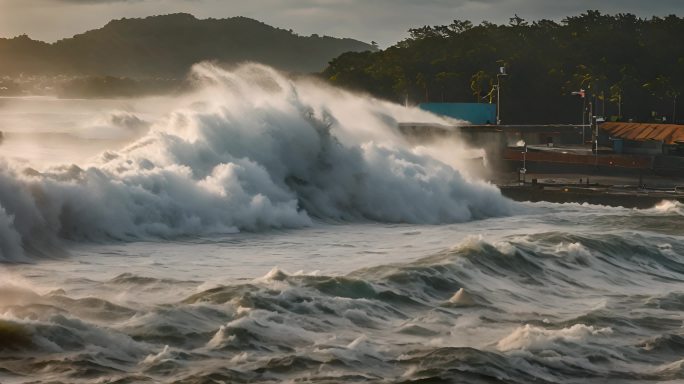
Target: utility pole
x,y
596,135
674,110
620,106
603,104
591,121
523,170
502,72
584,120
593,126
581,93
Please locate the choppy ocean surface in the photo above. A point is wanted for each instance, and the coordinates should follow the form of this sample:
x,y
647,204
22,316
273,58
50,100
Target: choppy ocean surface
x,y
266,230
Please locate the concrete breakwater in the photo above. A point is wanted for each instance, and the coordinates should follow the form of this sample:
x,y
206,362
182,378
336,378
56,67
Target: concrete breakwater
x,y
614,196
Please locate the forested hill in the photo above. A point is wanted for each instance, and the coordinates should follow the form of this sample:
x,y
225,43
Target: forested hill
x,y
168,45
633,66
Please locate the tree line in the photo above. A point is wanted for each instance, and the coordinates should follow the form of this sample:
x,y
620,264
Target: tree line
x,y
630,68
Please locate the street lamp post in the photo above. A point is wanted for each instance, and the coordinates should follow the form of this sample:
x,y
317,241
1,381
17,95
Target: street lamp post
x,y
502,72
620,106
581,93
523,170
594,132
584,121
591,121
674,110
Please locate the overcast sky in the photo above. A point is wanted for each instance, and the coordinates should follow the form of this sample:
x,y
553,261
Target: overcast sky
x,y
384,21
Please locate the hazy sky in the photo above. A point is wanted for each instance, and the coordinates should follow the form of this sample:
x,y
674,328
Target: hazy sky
x,y
384,21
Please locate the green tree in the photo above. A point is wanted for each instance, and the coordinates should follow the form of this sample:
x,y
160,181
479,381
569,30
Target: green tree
x,y
611,56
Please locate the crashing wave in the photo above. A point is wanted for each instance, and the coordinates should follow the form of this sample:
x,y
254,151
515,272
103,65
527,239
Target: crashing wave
x,y
253,150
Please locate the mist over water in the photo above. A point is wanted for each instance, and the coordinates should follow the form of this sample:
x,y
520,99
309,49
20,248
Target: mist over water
x,y
265,229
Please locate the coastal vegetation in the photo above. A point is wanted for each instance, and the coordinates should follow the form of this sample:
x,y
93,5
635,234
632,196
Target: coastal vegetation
x,y
629,67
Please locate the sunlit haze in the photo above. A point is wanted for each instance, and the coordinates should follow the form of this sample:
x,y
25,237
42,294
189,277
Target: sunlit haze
x,y
383,21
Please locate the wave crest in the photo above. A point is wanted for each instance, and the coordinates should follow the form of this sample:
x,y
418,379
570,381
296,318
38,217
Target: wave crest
x,y
253,150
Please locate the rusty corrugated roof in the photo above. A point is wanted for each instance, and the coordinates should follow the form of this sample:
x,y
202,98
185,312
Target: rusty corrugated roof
x,y
667,133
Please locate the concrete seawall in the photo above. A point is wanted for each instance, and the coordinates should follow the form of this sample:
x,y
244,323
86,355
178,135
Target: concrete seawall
x,y
599,195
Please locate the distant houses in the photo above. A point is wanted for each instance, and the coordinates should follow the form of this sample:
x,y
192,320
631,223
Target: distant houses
x,y
643,138
623,148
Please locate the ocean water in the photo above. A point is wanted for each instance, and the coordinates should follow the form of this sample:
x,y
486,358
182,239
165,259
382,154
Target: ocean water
x,y
264,229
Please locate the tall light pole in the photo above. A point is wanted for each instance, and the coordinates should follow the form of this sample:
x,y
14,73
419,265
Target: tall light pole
x,y
674,110
620,106
581,93
590,117
584,121
523,170
594,120
502,72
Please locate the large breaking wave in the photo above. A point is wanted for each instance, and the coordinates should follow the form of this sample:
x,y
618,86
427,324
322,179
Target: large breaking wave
x,y
252,150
